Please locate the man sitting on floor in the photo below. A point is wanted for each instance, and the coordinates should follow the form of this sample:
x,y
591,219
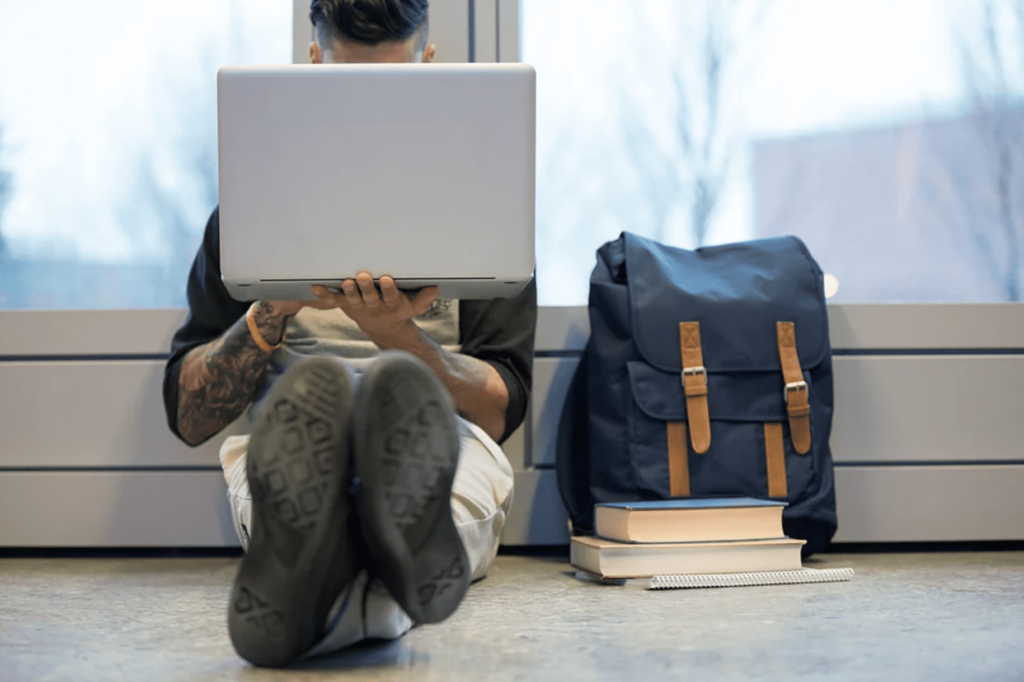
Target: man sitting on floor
x,y
372,489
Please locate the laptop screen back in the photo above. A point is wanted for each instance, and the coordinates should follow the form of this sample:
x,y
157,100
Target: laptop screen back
x,y
422,172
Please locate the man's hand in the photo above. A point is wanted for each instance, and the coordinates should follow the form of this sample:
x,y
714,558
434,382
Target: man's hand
x,y
480,393
385,316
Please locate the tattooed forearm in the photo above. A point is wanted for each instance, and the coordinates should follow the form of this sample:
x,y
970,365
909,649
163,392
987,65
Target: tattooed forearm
x,y
219,379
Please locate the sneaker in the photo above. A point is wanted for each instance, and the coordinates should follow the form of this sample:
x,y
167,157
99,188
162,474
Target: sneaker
x,y
406,442
300,554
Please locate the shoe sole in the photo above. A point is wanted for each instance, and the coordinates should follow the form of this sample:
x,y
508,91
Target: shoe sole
x,y
298,466
406,443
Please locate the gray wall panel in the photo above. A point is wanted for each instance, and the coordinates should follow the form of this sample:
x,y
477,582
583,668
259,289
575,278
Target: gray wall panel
x,y
889,409
165,509
87,332
81,413
928,408
515,447
853,327
537,516
927,326
933,503
875,504
562,328
551,379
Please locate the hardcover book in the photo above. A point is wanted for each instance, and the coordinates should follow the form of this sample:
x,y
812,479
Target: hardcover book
x,y
690,520
610,559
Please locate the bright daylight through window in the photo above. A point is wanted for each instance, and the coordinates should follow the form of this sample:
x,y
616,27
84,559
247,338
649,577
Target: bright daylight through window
x,y
108,142
885,133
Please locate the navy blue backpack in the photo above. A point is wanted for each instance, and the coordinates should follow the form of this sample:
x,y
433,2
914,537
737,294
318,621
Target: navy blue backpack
x,y
708,373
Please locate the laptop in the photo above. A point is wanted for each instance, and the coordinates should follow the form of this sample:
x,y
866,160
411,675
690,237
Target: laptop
x,y
424,172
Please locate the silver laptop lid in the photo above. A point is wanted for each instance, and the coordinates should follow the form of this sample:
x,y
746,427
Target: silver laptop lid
x,y
424,172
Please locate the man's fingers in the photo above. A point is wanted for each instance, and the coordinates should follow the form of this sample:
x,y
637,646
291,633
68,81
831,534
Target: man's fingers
x,y
424,297
370,296
361,294
326,299
389,291
353,298
345,296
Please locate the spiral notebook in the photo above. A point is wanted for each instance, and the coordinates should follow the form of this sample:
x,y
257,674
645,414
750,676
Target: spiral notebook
x,y
690,581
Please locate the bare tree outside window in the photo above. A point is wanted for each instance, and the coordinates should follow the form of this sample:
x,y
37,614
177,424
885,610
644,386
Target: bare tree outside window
x,y
858,127
6,180
174,208
986,200
638,125
683,151
9,272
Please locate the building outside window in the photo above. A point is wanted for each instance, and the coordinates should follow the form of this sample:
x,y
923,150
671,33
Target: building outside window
x,y
887,134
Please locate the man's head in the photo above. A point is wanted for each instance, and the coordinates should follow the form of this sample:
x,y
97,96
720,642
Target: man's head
x,y
362,31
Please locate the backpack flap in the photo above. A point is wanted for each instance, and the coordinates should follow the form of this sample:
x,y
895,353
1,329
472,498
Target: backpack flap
x,y
737,292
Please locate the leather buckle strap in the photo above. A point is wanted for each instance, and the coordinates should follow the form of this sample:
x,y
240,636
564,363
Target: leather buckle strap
x,y
695,386
796,391
693,370
795,386
678,460
775,459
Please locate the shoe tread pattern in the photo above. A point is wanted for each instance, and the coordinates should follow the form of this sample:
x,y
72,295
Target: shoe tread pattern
x,y
416,462
294,477
258,614
448,579
413,441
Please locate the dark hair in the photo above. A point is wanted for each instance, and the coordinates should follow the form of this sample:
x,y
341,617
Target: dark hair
x,y
369,22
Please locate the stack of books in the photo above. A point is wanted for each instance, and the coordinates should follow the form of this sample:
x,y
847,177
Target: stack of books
x,y
694,543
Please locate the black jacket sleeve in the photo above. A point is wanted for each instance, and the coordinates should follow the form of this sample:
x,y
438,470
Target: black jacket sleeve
x,y
211,312
501,332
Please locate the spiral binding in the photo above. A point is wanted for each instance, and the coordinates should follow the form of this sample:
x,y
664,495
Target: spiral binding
x,y
804,575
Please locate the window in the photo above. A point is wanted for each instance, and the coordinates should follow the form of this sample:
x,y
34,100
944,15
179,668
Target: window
x,y
884,133
108,155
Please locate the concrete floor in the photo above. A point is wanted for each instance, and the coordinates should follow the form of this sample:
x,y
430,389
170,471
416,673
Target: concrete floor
x,y
916,616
